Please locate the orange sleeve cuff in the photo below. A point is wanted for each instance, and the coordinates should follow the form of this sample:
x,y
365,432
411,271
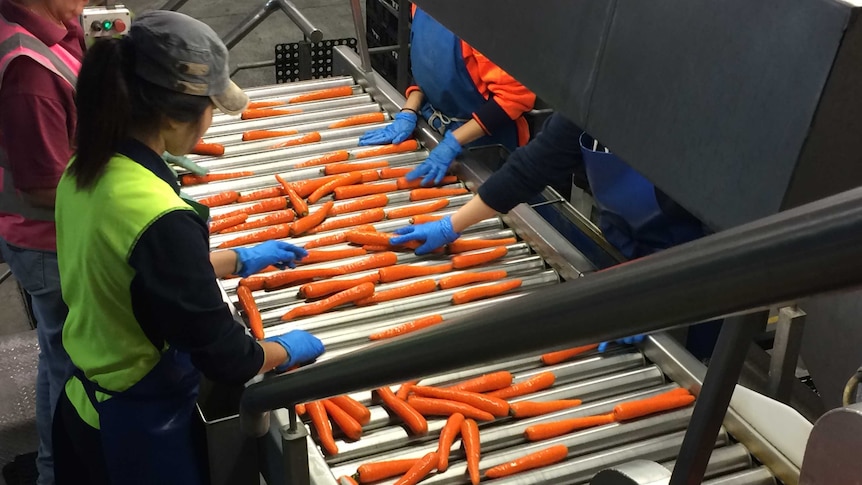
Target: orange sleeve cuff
x,y
411,89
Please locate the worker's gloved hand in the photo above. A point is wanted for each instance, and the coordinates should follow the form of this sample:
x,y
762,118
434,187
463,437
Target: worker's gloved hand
x,y
433,235
434,168
277,253
634,339
301,347
185,163
396,132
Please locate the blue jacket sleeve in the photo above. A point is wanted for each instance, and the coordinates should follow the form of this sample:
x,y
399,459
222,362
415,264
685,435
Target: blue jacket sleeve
x,y
554,153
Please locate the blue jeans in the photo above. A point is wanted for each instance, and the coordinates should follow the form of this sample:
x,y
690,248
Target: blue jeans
x,y
39,275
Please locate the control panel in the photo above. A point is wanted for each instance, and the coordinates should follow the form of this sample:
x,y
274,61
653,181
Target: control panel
x,y
100,22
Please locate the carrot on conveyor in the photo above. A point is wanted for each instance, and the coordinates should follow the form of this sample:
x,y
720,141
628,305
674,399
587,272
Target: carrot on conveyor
x,y
371,248
287,277
364,217
266,193
219,225
553,429
405,146
325,159
443,407
361,203
305,139
472,450
374,261
320,421
486,291
296,202
337,238
419,470
405,271
354,408
356,236
405,389
265,205
320,289
311,221
350,178
305,187
264,104
253,135
425,194
404,184
450,431
411,417
253,114
300,409
345,480
526,409
369,175
253,283
464,245
412,289
328,93
485,383
406,328
536,383
359,120
474,259
208,149
352,191
463,279
656,404
358,292
349,426
322,255
489,404
381,470
552,358
279,231
417,209
190,179
424,219
337,168
246,301
395,172
538,459
277,217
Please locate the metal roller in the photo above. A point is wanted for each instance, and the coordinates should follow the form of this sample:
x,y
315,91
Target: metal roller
x,y
320,126
276,122
326,135
724,460
324,105
222,117
298,87
756,476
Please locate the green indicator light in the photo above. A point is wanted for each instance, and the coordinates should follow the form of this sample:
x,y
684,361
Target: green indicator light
x,y
107,24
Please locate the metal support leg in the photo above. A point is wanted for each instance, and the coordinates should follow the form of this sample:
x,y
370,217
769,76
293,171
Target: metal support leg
x,y
785,352
248,24
361,41
304,60
295,451
403,45
718,385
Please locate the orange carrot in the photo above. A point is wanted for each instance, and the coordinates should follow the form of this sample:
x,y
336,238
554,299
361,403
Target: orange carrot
x,y
371,248
419,470
406,328
345,480
222,198
489,404
277,217
253,135
187,179
369,175
381,470
337,168
404,291
264,104
266,193
305,187
463,279
526,409
311,221
246,301
425,194
405,146
321,255
395,172
320,420
444,407
354,408
545,457
326,158
305,139
471,444
360,190
253,283
265,205
485,383
474,259
319,289
327,188
415,421
405,271
349,426
536,383
552,358
486,291
374,261
253,114
417,209
358,292
424,218
337,238
545,431
447,436
359,120
287,277
279,231
227,222
404,184
208,149
300,409
644,407
338,92
367,237
362,203
364,217
463,245
299,205
404,390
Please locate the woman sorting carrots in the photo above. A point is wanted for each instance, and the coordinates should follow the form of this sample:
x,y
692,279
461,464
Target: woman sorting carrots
x,y
146,317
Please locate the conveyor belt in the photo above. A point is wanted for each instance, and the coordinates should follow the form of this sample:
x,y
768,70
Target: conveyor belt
x,y
600,380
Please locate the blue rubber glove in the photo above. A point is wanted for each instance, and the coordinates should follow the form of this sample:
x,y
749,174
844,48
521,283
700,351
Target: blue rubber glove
x,y
396,132
433,235
278,253
185,163
634,339
301,347
435,166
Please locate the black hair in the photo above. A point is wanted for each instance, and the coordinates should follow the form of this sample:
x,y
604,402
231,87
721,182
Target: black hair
x,y
111,100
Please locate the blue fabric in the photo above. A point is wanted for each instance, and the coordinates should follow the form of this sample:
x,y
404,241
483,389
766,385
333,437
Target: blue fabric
x,y
301,347
634,339
433,234
434,168
399,130
278,253
38,274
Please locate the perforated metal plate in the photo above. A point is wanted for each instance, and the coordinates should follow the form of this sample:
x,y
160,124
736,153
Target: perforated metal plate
x,y
19,354
287,59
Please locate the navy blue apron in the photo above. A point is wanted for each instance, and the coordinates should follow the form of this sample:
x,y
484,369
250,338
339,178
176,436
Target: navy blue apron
x,y
451,97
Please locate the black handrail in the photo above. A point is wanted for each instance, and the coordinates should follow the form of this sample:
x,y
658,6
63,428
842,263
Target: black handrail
x,y
812,249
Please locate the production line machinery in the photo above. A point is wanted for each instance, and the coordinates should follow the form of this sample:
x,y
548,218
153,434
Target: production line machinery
x,y
538,258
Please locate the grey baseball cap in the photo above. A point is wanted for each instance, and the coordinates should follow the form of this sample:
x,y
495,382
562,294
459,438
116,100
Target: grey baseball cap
x,y
182,54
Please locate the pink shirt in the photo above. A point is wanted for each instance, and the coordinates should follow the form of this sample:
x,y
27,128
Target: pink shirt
x,y
37,123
